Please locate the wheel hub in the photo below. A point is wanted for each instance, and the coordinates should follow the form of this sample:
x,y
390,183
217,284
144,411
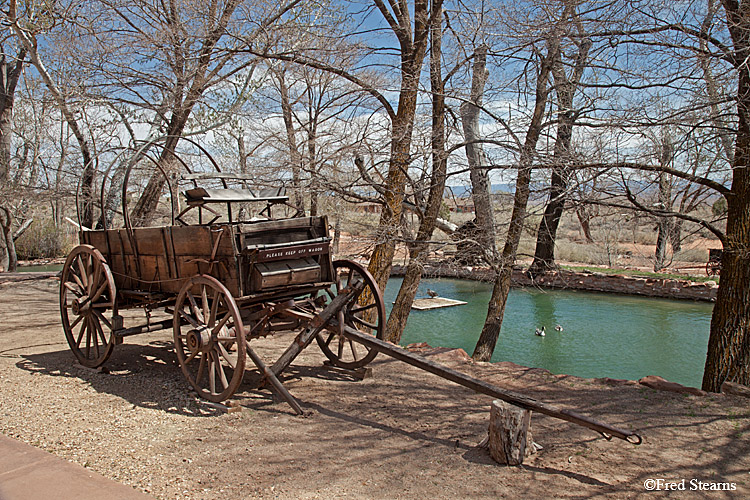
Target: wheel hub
x,y
199,340
80,305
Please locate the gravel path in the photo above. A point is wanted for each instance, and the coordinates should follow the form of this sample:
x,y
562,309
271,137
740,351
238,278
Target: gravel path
x,y
400,434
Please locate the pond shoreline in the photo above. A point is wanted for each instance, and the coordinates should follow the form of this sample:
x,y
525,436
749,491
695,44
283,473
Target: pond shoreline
x,y
589,281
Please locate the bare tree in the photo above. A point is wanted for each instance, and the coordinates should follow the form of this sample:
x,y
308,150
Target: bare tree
x,y
193,46
527,155
565,89
11,65
478,162
27,35
418,249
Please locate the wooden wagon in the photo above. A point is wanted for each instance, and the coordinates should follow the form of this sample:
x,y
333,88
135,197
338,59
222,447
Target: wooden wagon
x,y
713,266
226,283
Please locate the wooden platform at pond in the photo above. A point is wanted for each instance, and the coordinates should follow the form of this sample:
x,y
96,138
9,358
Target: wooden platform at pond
x,y
435,303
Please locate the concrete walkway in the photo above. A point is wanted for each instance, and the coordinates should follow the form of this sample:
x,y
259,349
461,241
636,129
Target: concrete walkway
x,y
28,473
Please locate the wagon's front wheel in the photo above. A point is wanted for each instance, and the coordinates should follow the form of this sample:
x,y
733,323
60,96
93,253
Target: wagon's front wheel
x,y
207,333
87,305
366,313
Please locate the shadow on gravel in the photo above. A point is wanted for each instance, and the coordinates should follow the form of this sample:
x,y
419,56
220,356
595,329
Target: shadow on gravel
x,y
146,376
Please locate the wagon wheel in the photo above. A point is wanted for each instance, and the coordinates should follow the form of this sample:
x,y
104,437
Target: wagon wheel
x,y
87,305
206,327
713,267
365,313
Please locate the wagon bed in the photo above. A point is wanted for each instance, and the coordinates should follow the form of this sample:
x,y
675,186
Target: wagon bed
x,y
248,258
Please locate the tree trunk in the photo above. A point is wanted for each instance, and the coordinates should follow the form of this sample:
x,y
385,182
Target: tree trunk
x,y
10,71
675,235
728,357
419,250
87,173
501,287
311,152
476,157
509,438
544,254
666,154
584,219
146,207
186,94
660,255
9,261
412,57
291,137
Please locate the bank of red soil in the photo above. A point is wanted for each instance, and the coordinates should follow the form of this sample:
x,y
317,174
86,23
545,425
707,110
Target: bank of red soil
x,y
589,281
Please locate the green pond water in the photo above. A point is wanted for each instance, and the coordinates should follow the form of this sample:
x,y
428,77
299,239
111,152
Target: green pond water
x,y
604,335
48,268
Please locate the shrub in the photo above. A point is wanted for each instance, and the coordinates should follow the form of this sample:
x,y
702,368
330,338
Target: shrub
x,y
719,207
42,240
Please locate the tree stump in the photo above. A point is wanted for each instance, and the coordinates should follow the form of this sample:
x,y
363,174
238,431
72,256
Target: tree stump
x,y
509,437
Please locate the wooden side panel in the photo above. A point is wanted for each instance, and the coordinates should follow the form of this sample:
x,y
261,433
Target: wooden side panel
x,y
164,257
283,273
257,277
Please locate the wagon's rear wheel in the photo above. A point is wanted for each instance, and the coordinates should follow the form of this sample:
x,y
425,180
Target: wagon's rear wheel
x,y
207,328
365,313
713,267
87,305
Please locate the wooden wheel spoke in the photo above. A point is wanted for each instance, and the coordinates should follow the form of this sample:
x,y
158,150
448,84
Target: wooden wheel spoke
x,y
216,329
191,356
338,283
83,274
226,339
227,357
204,303
96,276
94,333
214,309
99,330
76,291
101,318
81,332
220,370
354,350
88,338
74,323
355,310
79,282
201,368
330,337
99,291
340,347
194,307
189,318
211,374
363,322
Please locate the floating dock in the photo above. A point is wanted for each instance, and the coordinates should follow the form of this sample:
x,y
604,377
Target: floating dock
x,y
435,303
